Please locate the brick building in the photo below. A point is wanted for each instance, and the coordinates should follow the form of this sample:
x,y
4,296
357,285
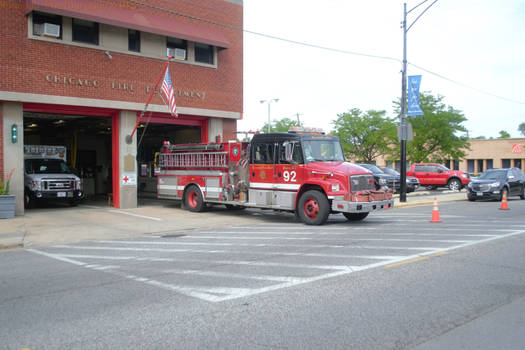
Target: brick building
x,y
77,73
485,154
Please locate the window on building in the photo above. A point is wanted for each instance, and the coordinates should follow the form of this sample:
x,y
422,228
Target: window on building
x,y
456,164
517,163
133,40
203,53
505,163
480,165
398,165
47,25
490,164
85,31
470,166
177,48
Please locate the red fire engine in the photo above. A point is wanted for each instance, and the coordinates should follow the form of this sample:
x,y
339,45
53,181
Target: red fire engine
x,y
299,171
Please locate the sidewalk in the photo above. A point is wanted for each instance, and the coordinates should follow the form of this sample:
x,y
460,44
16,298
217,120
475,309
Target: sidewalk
x,y
93,221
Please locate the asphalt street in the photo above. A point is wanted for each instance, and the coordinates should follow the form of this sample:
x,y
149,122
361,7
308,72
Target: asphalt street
x,y
392,281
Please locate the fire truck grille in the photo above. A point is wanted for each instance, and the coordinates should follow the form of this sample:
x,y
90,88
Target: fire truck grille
x,y
58,185
361,183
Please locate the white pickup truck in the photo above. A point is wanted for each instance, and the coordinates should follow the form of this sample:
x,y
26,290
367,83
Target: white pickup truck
x,y
47,176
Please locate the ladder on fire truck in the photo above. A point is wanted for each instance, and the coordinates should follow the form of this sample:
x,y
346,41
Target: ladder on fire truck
x,y
196,159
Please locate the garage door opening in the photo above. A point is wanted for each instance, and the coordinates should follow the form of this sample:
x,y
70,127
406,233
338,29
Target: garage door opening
x,y
88,144
150,138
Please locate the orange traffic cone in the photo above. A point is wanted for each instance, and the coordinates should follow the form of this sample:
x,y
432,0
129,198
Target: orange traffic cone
x,y
504,205
435,212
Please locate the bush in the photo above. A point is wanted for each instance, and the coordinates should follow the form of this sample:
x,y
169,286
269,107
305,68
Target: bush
x,y
4,185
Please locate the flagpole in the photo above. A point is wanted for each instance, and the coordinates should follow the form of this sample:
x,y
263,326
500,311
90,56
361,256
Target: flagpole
x,y
129,138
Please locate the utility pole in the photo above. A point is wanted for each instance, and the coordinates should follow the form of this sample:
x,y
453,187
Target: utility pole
x,y
298,120
403,124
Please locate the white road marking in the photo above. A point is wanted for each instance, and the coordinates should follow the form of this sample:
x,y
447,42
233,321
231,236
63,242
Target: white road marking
x,y
54,256
477,224
323,246
136,215
107,267
107,257
219,262
347,256
217,294
125,248
349,234
235,275
310,239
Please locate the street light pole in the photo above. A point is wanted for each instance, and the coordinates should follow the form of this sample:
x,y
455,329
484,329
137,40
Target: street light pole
x,y
269,102
403,172
403,125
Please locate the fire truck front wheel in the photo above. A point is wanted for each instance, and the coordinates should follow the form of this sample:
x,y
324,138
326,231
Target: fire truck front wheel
x,y
193,199
313,208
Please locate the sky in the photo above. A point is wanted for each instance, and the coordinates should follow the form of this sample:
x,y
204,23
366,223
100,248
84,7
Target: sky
x,y
477,45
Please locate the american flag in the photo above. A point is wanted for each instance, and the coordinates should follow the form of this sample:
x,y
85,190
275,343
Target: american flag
x,y
167,89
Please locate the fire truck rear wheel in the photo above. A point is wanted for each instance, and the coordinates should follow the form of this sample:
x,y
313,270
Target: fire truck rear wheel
x,y
193,199
313,208
355,216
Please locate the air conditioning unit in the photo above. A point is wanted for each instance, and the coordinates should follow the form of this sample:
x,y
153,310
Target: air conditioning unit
x,y
51,29
178,54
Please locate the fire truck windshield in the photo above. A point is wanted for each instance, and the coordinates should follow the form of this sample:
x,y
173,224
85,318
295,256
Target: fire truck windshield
x,y
323,151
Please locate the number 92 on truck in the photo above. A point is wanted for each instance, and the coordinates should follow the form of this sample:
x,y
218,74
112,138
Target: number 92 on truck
x,y
301,171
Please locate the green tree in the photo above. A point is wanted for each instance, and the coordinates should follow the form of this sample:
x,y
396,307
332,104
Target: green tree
x,y
364,135
479,138
435,138
521,128
282,125
503,135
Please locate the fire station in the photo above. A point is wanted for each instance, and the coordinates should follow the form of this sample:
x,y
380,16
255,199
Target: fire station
x,y
77,74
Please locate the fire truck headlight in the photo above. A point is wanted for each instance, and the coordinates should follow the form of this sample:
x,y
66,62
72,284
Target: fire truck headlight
x,y
335,187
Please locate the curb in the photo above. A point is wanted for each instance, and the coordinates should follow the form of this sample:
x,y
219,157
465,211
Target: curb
x,y
417,204
11,246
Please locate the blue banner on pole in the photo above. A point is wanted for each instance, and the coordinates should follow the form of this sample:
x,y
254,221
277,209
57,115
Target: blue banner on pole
x,y
413,95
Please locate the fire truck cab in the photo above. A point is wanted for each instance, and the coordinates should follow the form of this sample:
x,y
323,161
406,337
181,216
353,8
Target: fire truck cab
x,y
300,171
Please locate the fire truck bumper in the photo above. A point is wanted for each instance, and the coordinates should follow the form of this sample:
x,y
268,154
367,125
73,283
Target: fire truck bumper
x,y
361,207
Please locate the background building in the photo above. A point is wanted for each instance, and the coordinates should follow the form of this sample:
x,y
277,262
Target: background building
x,y
483,155
77,73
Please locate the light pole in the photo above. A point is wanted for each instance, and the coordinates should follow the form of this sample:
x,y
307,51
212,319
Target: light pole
x,y
403,126
269,102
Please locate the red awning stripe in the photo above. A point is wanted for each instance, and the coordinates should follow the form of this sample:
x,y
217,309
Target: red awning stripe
x,y
120,16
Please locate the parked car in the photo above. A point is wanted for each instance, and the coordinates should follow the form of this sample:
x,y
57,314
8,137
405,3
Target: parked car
x,y
494,183
433,175
412,182
380,178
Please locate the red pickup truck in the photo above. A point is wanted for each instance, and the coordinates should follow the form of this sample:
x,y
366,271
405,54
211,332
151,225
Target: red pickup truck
x,y
433,175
